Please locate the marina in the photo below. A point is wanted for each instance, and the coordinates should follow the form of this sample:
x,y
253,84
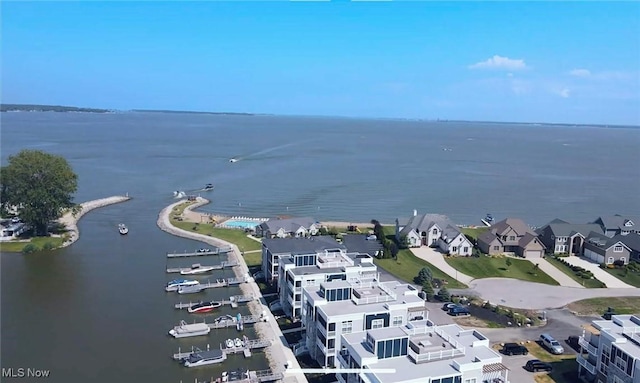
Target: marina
x,y
240,376
184,329
185,270
198,253
244,347
193,289
233,302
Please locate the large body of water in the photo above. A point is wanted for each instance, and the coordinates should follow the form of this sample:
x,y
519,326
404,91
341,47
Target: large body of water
x,y
97,311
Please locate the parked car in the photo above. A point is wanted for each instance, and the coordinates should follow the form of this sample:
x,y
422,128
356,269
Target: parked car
x,y
551,344
458,310
514,349
536,365
448,305
572,341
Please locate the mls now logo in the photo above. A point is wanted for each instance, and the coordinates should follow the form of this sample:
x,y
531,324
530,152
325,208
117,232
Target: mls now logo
x,y
22,372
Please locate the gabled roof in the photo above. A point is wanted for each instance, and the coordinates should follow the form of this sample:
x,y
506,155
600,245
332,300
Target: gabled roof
x,y
488,237
615,222
450,233
516,224
632,240
566,229
527,239
301,245
604,242
358,243
288,225
425,222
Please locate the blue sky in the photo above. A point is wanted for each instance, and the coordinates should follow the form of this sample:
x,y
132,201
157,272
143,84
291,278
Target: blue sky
x,y
574,62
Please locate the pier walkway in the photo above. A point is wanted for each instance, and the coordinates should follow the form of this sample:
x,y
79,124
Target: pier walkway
x,y
262,376
212,285
249,344
223,265
223,250
233,302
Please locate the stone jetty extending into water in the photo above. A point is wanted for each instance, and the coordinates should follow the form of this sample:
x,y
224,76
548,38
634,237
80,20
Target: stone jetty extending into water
x,y
70,220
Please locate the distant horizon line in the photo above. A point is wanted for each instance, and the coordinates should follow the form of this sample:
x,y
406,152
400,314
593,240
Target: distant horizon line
x,y
7,107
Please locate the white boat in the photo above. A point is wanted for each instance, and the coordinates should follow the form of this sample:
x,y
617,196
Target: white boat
x,y
208,187
229,343
184,330
203,358
179,194
233,159
123,229
238,342
177,283
197,268
190,289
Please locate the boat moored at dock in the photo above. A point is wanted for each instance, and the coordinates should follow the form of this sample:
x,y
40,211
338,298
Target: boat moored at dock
x,y
203,358
204,307
184,330
177,283
197,268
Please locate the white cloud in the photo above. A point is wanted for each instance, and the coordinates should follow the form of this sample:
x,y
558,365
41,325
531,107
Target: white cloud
x,y
509,74
580,72
499,62
563,92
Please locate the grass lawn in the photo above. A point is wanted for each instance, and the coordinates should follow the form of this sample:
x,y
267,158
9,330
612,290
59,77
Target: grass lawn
x,y
235,236
564,366
589,283
407,266
632,278
253,259
473,232
16,247
487,267
597,306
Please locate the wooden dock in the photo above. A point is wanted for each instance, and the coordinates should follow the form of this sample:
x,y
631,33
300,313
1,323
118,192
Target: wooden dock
x,y
229,321
249,344
221,250
212,285
262,376
223,265
233,302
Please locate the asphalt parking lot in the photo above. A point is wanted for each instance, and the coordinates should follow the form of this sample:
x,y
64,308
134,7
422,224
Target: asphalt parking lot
x,y
515,364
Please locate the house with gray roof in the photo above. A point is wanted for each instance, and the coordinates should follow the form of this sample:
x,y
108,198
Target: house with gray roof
x,y
602,249
511,236
618,224
562,237
632,241
434,230
288,227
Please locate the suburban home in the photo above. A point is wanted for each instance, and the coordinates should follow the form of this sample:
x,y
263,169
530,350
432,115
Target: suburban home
x,y
617,224
289,227
602,249
633,242
434,230
511,236
561,237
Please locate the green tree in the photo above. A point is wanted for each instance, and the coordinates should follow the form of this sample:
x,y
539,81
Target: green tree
x,y
424,276
508,262
427,289
40,186
444,295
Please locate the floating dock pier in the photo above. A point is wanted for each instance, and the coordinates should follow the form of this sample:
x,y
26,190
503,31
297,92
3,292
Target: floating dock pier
x,y
262,376
221,250
249,344
212,285
233,302
223,265
232,321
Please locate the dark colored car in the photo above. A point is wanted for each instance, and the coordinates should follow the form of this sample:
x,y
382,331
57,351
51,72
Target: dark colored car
x,y
458,310
514,349
447,306
536,365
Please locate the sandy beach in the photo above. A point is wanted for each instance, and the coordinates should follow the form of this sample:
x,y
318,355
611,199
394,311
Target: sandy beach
x,y
70,221
277,354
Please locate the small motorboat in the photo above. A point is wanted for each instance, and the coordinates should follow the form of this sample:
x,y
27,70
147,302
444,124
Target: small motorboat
x,y
179,194
234,376
208,187
488,220
233,159
203,358
204,307
123,229
197,268
177,283
237,342
204,250
229,343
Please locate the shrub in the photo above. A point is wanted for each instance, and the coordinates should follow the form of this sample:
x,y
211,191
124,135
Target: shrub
x,y
30,248
48,246
618,263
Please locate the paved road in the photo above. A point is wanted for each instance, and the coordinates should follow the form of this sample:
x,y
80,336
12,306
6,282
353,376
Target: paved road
x,y
600,274
535,296
555,273
437,259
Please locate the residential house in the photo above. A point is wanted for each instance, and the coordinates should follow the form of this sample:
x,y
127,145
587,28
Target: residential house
x,y
610,351
275,248
338,307
511,236
561,237
632,241
420,352
618,224
288,227
602,249
362,243
434,230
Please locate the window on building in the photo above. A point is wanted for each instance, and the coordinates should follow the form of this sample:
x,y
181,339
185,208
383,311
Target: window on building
x,y
617,249
512,238
496,248
397,320
331,361
298,283
465,249
347,327
610,260
377,323
332,326
331,343
472,380
454,249
435,231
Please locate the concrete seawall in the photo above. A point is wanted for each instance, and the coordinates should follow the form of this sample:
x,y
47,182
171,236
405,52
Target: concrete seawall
x,y
70,221
277,354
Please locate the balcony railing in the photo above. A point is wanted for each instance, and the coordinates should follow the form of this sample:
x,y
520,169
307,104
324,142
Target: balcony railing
x,y
588,346
341,359
586,364
436,355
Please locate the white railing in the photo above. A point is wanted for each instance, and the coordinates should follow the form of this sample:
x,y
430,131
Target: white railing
x,y
372,299
447,338
325,264
436,355
419,330
586,364
384,288
587,346
343,362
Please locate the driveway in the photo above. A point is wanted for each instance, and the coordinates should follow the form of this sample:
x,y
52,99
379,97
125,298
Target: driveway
x,y
562,278
437,259
603,276
535,296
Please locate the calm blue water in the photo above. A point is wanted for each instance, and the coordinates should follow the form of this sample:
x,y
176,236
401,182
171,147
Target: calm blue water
x,y
97,311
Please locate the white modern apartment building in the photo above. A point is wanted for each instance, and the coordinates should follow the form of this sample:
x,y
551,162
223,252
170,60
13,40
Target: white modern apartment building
x,y
294,273
340,307
420,352
610,351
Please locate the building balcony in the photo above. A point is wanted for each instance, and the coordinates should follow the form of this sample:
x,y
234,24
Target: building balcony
x,y
435,355
591,349
342,360
586,364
